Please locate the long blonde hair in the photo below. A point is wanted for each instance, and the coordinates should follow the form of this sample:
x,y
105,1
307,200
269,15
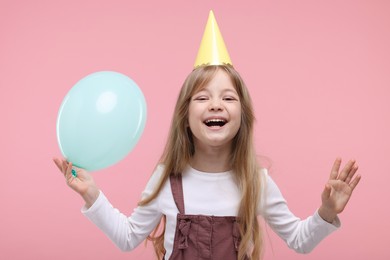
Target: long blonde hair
x,y
180,148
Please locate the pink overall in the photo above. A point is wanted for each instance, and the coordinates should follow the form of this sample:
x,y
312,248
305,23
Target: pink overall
x,y
202,237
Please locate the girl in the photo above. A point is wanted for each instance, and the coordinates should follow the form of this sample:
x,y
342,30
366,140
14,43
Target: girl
x,y
210,147
208,188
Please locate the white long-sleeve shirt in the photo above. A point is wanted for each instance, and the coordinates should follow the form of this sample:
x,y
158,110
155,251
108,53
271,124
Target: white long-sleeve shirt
x,y
205,194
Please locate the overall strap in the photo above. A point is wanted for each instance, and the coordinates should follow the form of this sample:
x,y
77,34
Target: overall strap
x,y
177,191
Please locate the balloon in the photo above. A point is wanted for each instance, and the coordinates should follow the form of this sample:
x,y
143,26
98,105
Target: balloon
x,y
100,120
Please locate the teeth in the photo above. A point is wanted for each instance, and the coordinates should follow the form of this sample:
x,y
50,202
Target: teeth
x,y
215,121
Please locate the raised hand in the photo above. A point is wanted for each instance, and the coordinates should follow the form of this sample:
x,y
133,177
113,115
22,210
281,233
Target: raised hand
x,y
338,190
81,182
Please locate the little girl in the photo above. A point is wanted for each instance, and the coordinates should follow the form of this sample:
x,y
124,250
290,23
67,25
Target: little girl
x,y
208,188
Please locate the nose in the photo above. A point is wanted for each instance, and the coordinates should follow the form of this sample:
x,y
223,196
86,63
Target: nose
x,y
215,105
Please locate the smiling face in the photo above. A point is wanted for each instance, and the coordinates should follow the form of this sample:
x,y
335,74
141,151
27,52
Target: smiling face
x,y
214,114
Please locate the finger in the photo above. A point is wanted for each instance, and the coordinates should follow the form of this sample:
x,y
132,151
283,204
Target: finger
x,y
58,163
345,171
326,191
68,171
65,165
70,177
335,169
355,182
351,174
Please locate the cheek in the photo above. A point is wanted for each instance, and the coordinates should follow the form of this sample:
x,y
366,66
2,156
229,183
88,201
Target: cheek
x,y
239,119
238,114
195,112
191,115
192,118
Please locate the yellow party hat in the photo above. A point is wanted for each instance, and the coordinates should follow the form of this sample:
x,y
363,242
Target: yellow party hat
x,y
212,50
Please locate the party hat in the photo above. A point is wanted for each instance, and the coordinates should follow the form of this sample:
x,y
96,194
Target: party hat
x,y
212,50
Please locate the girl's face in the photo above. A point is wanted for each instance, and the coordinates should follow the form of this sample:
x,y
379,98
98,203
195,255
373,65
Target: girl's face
x,y
214,115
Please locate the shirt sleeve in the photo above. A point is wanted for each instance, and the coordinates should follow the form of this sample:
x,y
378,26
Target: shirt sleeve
x,y
126,232
300,235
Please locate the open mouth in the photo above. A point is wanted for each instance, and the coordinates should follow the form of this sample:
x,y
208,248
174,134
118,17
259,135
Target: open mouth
x,y
215,122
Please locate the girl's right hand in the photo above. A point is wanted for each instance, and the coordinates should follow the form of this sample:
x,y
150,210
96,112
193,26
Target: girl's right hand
x,y
83,183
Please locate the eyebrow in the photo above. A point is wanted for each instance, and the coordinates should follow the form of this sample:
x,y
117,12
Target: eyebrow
x,y
234,91
231,90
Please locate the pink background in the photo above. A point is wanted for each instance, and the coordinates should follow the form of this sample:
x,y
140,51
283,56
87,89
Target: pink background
x,y
318,72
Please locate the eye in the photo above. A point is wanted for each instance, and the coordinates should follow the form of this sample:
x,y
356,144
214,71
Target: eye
x,y
230,98
200,98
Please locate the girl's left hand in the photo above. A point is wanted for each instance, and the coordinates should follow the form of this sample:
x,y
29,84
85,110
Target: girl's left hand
x,y
338,189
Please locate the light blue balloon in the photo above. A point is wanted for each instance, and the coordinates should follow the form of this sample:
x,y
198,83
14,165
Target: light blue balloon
x,y
100,120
